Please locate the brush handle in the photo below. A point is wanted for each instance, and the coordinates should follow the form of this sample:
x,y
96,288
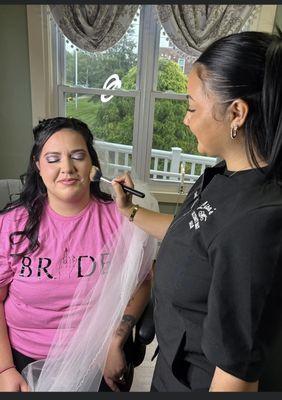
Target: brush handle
x,y
132,191
125,188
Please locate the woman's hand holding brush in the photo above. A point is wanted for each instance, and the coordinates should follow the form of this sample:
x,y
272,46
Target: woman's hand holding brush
x,y
123,199
123,187
152,222
96,176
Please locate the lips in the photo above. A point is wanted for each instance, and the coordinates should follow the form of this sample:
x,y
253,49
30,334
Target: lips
x,y
68,181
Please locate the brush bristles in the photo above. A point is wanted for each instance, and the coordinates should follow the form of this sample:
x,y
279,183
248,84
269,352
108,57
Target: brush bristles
x,y
95,174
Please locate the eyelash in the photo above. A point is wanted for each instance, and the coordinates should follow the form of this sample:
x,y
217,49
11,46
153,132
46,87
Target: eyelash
x,y
78,157
74,157
190,110
52,161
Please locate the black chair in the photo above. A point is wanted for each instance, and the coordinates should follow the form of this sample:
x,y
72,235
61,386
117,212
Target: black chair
x,y
9,190
144,333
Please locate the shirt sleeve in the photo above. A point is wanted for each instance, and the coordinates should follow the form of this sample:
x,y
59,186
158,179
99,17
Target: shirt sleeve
x,y
244,302
6,272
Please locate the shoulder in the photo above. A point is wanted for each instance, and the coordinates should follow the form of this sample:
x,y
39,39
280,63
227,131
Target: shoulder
x,y
255,232
265,193
261,204
252,205
106,210
13,219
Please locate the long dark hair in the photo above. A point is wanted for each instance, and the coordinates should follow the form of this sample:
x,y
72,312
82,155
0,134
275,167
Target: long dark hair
x,y
248,65
33,195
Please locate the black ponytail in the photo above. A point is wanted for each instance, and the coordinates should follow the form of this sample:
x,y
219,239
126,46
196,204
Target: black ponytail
x,y
272,105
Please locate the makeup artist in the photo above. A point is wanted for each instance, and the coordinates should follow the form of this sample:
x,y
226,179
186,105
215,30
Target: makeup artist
x,y
218,276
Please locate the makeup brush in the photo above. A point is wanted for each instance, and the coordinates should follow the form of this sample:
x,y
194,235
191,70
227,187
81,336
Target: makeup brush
x,y
96,176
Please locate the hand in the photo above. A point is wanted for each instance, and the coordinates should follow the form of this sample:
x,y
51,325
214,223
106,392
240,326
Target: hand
x,y
123,200
12,381
115,367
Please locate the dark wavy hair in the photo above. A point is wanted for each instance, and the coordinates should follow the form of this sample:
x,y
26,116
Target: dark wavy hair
x,y
33,195
248,65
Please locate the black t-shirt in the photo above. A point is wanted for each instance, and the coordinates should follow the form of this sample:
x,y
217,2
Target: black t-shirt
x,y
218,279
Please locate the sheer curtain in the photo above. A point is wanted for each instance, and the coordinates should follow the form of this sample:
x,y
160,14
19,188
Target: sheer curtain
x,y
93,27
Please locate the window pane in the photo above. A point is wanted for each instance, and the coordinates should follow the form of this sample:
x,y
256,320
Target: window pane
x,y
173,144
93,69
111,124
173,68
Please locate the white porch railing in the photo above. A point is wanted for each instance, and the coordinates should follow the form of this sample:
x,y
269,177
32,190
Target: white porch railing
x,y
165,165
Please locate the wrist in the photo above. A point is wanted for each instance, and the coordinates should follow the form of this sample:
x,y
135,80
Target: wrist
x,y
117,342
2,370
126,211
123,331
134,210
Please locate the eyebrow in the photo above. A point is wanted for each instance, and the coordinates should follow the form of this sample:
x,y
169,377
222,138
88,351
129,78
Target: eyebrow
x,y
189,97
57,153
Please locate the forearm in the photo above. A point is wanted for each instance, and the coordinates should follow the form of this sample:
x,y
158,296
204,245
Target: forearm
x,y
6,358
133,312
154,223
225,382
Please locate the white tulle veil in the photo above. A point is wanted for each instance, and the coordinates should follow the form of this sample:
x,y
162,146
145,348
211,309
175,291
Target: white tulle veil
x,y
78,354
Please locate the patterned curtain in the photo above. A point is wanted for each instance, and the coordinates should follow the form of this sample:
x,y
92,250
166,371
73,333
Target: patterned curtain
x,y
192,28
93,27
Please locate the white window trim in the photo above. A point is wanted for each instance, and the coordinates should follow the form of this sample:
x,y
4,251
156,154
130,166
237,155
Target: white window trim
x,y
41,43
146,82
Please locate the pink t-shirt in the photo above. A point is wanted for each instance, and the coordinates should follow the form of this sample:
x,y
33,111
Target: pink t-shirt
x,y
42,283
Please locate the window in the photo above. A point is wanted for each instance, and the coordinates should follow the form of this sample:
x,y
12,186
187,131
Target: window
x,y
133,97
181,63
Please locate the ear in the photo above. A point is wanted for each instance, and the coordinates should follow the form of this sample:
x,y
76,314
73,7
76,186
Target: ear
x,y
238,112
38,166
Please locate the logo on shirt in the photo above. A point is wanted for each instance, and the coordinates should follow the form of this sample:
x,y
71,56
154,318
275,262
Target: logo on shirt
x,y
200,215
70,266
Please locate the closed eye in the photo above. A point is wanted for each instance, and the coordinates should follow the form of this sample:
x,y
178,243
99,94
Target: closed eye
x,y
78,156
51,160
191,110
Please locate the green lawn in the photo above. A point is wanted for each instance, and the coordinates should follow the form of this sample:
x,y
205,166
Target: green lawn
x,y
86,110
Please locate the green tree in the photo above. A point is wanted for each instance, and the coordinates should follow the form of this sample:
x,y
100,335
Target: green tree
x,y
114,120
94,68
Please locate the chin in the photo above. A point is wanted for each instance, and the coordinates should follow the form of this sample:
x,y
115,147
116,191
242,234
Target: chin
x,y
204,152
201,149
71,195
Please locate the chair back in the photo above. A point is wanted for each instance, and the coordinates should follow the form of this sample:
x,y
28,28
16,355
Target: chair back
x,y
9,190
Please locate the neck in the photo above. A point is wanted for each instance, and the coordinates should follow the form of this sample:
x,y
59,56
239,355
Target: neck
x,y
68,209
237,166
240,162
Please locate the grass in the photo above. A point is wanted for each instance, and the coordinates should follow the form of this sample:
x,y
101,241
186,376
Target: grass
x,y
86,110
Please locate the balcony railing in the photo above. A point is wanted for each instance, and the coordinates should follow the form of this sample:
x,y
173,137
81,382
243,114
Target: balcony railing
x,y
165,165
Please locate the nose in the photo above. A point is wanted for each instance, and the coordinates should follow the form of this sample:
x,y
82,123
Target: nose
x,y
186,120
67,166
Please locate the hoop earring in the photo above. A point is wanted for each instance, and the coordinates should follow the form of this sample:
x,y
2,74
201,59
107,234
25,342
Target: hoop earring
x,y
234,132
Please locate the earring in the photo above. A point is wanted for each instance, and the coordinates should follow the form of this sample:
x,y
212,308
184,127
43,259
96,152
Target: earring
x,y
234,132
